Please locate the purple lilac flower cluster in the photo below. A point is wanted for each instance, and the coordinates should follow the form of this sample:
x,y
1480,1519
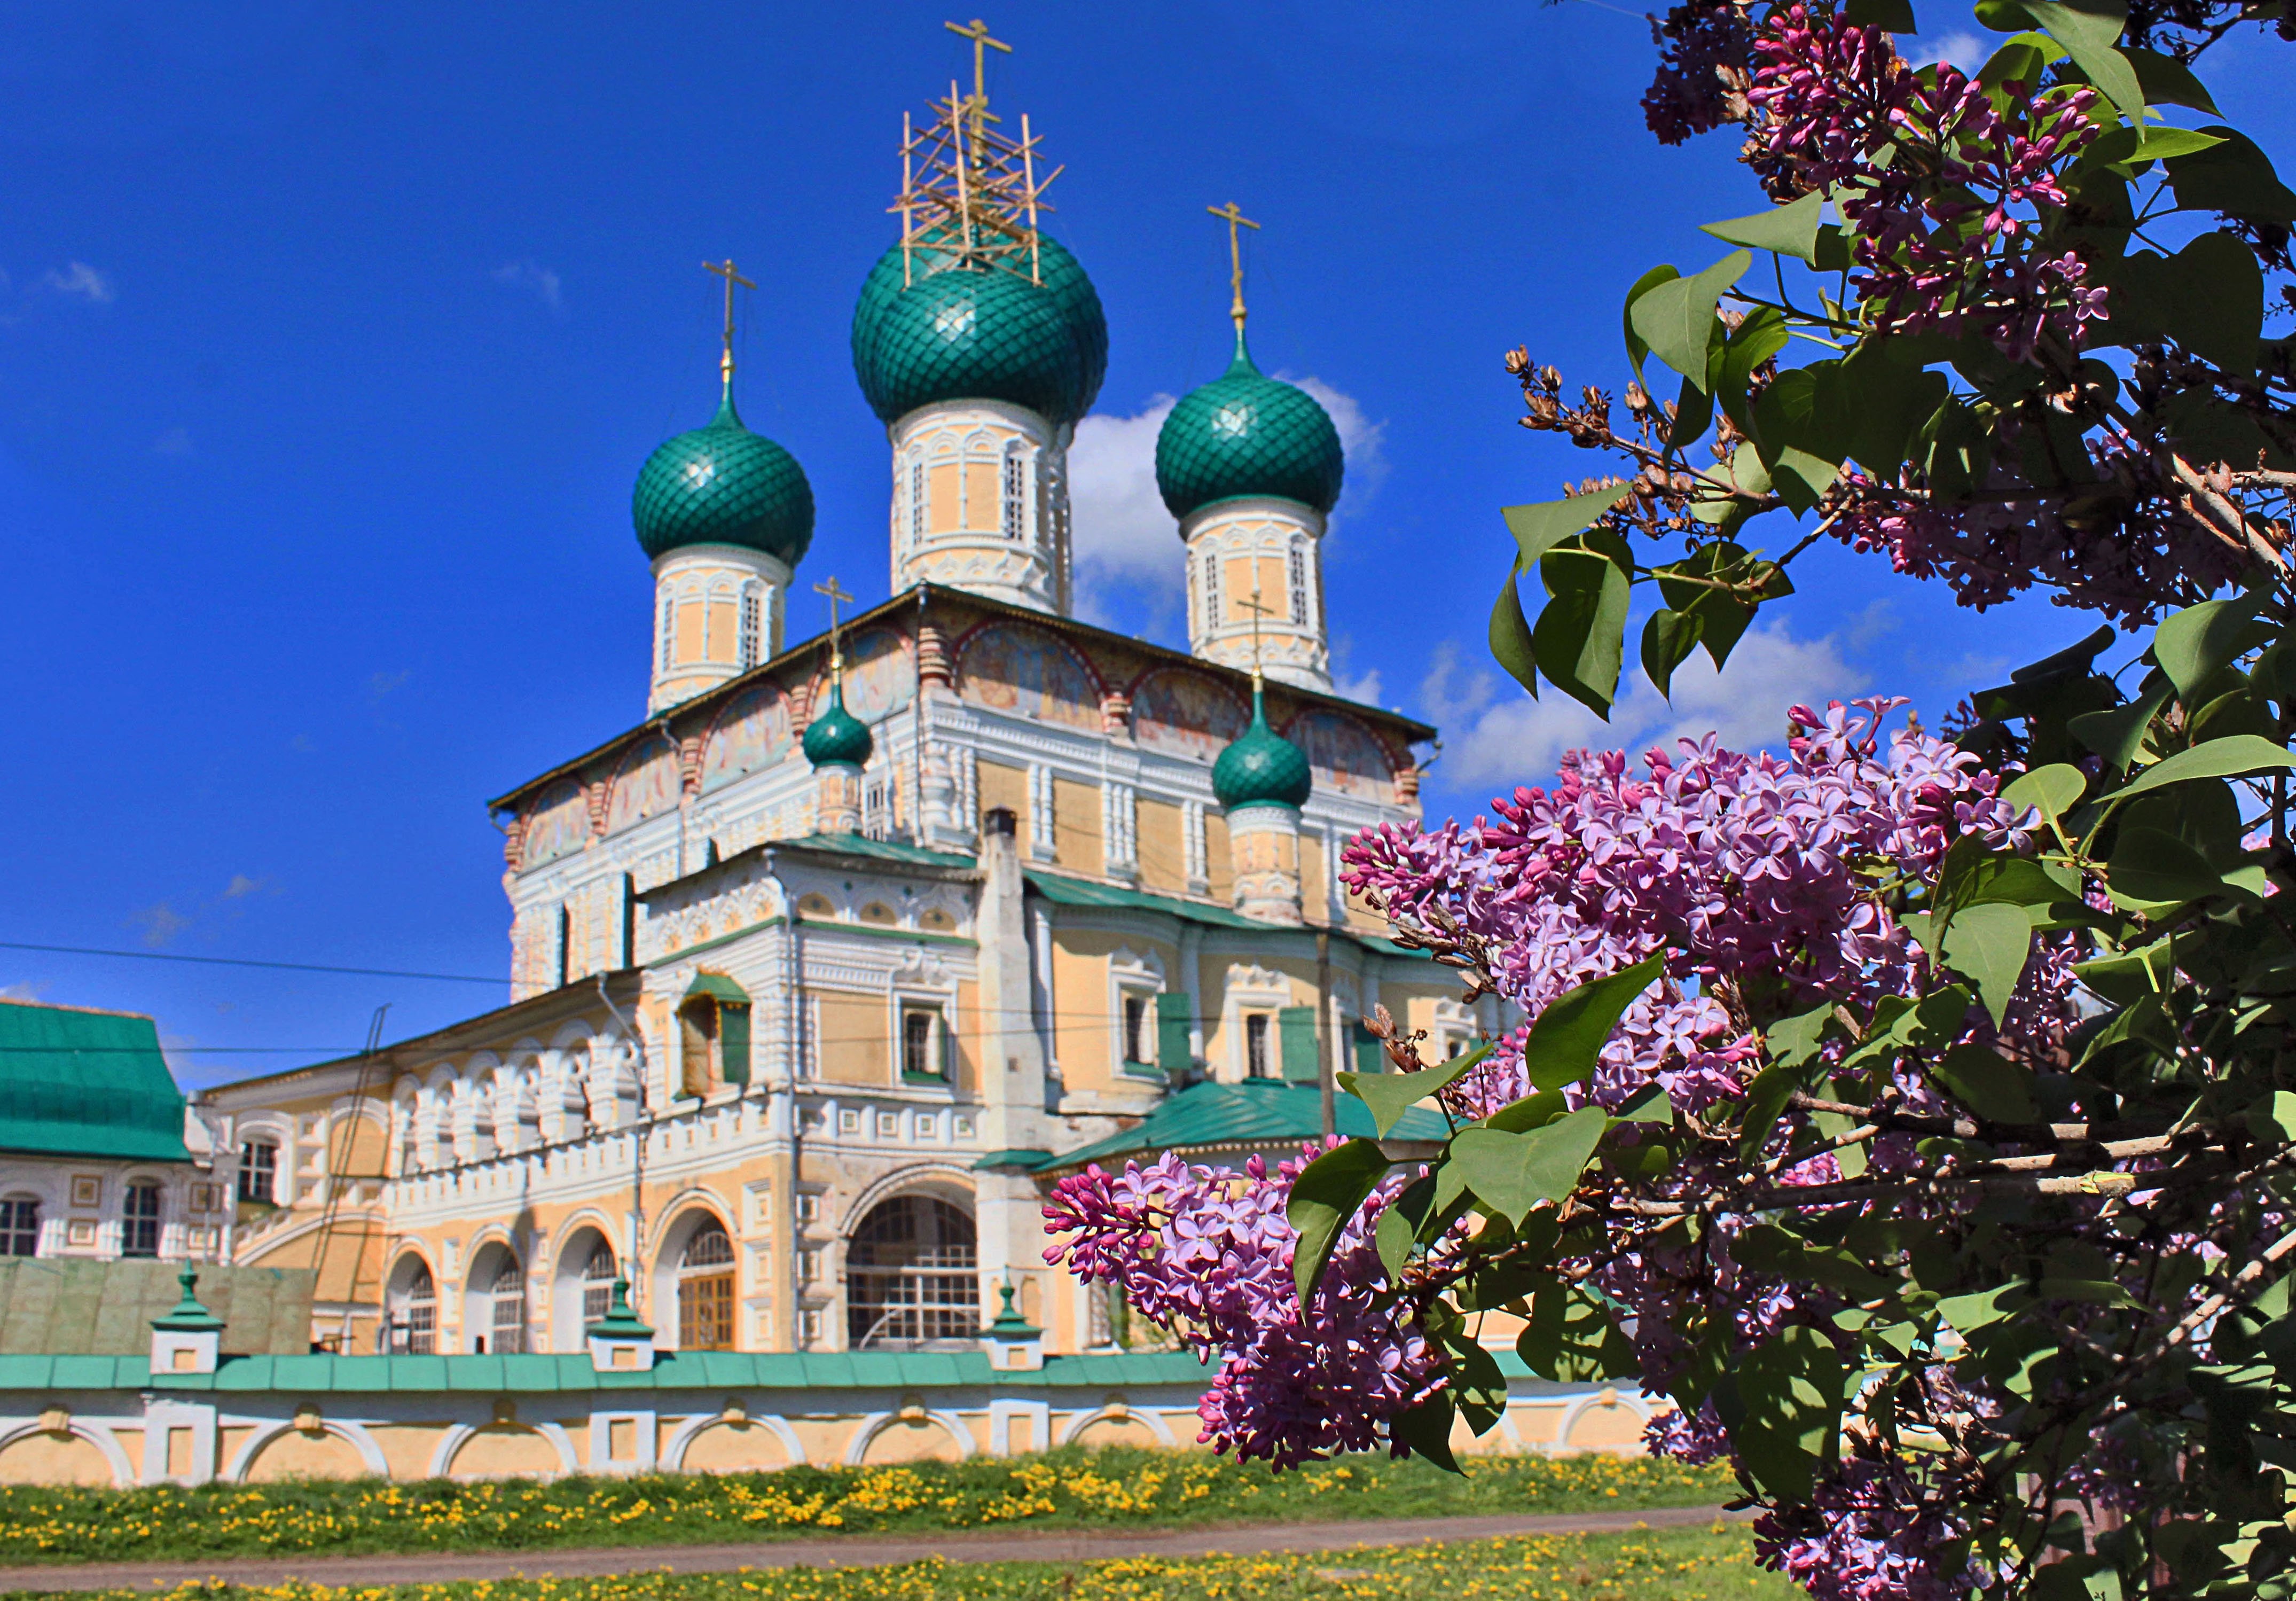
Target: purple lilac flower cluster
x,y
1207,1253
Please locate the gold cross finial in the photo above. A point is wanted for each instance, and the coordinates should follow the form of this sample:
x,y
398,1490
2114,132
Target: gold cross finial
x,y
1257,612
724,269
978,32
1233,214
835,594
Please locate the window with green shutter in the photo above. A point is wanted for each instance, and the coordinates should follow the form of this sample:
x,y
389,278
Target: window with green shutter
x,y
734,1042
1173,1016
1296,1025
1371,1057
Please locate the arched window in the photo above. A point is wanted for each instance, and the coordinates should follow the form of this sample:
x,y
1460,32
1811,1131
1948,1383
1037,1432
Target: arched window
x,y
705,1290
417,1323
509,1321
1016,494
909,1277
20,1225
139,1227
753,626
597,1283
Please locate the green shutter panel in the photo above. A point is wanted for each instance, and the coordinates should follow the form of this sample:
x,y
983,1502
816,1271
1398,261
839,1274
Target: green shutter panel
x,y
1371,1057
734,1042
1173,1016
1296,1024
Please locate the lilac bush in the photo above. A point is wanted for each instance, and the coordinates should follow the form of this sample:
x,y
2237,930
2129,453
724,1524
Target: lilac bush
x,y
1912,1108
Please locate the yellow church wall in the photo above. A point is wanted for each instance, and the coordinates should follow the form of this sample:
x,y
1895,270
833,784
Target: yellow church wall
x,y
1005,786
53,1456
1084,1002
735,1446
1163,846
854,1048
1076,843
1314,897
408,1447
298,1454
505,1450
1220,869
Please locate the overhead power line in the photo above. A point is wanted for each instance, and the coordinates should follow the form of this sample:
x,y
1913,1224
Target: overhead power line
x,y
165,956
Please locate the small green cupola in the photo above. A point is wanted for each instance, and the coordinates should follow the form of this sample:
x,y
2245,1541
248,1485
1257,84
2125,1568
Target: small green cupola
x,y
1245,434
836,737
724,485
1261,768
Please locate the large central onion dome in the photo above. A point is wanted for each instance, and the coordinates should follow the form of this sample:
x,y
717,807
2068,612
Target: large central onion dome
x,y
1247,434
724,485
969,333
1261,768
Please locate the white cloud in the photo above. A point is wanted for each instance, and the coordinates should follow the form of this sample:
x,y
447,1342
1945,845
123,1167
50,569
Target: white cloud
x,y
531,275
1363,691
174,441
81,281
1125,537
1959,48
30,989
1360,438
160,923
242,886
1517,740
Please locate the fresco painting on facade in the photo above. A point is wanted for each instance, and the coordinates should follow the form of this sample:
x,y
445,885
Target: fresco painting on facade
x,y
558,824
753,731
647,786
1188,714
1345,756
879,676
1025,672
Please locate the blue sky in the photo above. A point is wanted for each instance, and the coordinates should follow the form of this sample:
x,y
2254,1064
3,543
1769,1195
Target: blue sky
x,y
332,337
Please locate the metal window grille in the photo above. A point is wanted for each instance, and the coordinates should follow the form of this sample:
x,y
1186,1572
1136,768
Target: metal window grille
x,y
509,1321
1211,591
669,627
1015,495
20,1227
139,1233
1255,1046
917,1059
1299,586
259,1170
705,1291
1100,1328
752,627
910,1278
916,504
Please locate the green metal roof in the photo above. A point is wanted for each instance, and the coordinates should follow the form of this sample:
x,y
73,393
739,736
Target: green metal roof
x,y
885,339
718,987
1077,891
968,335
1243,434
80,1083
1260,1113
889,850
724,485
1260,767
573,1371
1025,1159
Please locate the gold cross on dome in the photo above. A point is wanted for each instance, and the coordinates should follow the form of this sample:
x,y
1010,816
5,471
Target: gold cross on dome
x,y
835,594
1257,612
1233,214
724,269
978,32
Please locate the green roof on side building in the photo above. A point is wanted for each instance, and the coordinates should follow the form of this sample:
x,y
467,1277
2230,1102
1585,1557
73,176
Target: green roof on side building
x,y
75,1082
1208,1120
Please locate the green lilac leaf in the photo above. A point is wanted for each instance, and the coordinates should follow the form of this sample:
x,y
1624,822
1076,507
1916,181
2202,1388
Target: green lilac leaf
x,y
1571,1030
1511,644
2232,757
1538,528
2052,790
1675,319
1668,638
1392,1095
2167,81
1511,1173
1324,1198
1989,1084
2088,32
2194,645
1988,945
1425,1430
1581,633
2235,176
1789,230
1636,351
1789,1400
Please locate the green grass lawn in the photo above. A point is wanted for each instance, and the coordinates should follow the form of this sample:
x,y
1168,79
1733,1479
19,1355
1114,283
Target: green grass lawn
x,y
1670,1565
1067,1489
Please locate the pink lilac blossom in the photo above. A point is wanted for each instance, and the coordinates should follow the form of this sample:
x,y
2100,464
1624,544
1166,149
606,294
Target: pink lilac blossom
x,y
1869,1534
1208,1254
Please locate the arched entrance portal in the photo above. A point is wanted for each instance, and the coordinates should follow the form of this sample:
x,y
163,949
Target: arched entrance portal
x,y
909,1277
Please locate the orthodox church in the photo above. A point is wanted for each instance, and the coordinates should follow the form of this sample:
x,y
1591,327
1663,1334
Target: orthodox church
x,y
825,967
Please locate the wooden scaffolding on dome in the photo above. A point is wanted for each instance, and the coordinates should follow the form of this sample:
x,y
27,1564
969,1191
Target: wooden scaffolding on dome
x,y
969,193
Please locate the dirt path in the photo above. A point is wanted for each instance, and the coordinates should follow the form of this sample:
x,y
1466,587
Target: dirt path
x,y
860,1550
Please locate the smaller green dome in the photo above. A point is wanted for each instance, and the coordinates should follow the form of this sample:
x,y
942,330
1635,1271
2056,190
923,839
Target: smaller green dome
x,y
968,335
1247,434
724,485
1261,768
837,738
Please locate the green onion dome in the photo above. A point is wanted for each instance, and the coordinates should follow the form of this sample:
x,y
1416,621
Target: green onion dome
x,y
979,335
1247,434
724,485
1261,768
837,738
